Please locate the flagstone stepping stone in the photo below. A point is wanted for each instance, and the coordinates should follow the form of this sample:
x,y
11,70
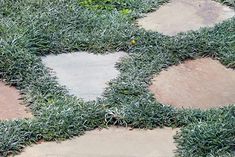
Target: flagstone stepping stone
x,y
112,142
184,15
84,74
10,105
201,83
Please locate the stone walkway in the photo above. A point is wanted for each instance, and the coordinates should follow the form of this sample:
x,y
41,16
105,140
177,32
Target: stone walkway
x,y
202,83
85,75
10,105
112,142
185,15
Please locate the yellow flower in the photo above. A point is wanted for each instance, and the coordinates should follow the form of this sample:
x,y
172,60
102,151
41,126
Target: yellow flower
x,y
133,42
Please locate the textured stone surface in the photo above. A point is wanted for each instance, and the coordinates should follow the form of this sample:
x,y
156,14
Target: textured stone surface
x,y
84,74
112,142
10,105
184,15
202,83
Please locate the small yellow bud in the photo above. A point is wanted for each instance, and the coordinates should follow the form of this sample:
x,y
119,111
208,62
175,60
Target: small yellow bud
x,y
133,42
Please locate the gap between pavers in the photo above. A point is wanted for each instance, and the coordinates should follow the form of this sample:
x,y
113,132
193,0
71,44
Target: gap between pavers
x,y
185,15
84,74
202,83
112,142
11,107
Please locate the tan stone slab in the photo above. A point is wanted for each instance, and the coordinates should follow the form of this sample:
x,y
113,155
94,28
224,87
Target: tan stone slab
x,y
202,83
112,142
10,105
184,15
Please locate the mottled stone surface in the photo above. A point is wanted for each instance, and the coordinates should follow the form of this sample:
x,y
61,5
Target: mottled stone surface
x,y
184,15
112,142
85,75
10,105
202,83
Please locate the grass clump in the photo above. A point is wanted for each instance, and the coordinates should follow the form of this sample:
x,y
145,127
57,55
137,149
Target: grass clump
x,y
124,6
214,137
228,2
104,4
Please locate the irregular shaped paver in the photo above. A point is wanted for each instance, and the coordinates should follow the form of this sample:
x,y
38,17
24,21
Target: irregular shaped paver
x,y
10,105
202,83
184,15
84,74
112,142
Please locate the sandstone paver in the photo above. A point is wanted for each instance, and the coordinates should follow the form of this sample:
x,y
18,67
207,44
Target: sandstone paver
x,y
201,83
185,15
10,105
112,142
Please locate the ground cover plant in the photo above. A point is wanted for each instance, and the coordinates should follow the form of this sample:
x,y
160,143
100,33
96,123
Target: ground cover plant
x,y
228,2
33,28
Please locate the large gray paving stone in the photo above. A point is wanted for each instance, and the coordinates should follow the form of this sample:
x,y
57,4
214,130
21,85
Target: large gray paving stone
x,y
84,74
184,15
